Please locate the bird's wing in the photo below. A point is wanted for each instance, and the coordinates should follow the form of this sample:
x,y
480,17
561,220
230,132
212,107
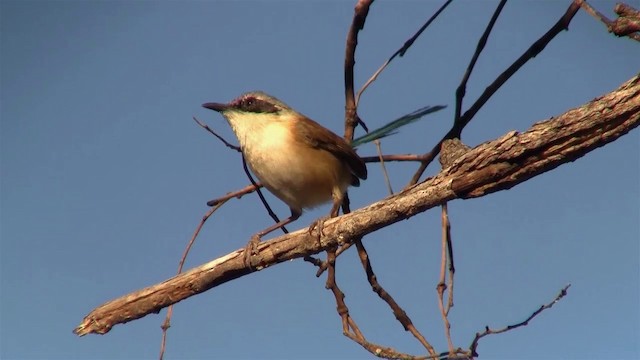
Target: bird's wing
x,y
319,137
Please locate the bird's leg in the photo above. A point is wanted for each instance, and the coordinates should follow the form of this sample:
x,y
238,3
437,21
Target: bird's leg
x,y
252,246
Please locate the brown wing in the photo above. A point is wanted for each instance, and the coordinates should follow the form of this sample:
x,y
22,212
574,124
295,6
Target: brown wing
x,y
319,137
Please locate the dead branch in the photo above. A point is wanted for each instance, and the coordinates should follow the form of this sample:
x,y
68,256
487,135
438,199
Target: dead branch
x,y
488,331
492,166
627,24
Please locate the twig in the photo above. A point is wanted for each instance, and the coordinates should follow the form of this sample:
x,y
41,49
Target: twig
x,y
530,53
452,268
206,127
322,267
482,42
399,313
167,320
341,307
394,157
488,331
442,284
255,186
261,196
384,168
400,52
349,327
235,194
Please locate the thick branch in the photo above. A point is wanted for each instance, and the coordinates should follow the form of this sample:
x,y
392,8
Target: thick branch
x,y
492,166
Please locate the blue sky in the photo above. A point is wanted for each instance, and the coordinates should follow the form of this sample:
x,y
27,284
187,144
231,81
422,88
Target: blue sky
x,y
105,176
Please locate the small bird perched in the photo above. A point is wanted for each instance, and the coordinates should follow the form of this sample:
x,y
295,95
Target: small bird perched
x,y
295,158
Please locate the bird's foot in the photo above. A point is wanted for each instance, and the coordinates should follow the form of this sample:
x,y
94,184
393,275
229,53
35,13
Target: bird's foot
x,y
318,225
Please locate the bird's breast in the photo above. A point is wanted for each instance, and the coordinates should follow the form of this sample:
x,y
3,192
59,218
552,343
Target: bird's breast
x,y
298,174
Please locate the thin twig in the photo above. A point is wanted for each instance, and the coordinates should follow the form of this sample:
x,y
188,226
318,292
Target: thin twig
x,y
400,52
261,196
167,320
393,157
383,167
452,268
482,42
561,25
488,331
442,284
350,328
235,194
206,127
323,266
331,284
399,313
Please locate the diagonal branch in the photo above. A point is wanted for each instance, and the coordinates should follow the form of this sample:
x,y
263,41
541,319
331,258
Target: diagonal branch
x,y
460,123
493,166
489,331
400,52
482,42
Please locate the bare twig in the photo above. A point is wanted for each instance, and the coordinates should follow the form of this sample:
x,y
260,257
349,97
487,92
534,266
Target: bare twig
x,y
206,127
395,157
349,327
261,196
488,331
341,307
167,320
452,268
234,194
482,42
400,52
323,266
530,53
384,168
399,313
442,284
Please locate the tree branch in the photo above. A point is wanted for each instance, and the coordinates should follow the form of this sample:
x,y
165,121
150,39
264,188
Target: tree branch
x,y
489,167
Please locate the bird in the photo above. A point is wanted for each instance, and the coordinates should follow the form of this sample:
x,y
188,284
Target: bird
x,y
298,160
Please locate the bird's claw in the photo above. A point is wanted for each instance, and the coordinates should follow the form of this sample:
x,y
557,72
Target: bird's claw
x,y
318,225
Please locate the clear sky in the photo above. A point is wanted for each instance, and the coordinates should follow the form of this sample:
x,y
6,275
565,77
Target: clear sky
x,y
105,176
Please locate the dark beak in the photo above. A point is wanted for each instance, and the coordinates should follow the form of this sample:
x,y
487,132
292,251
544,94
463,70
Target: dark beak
x,y
216,106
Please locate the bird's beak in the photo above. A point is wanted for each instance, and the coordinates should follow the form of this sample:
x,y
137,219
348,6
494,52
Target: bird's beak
x,y
216,106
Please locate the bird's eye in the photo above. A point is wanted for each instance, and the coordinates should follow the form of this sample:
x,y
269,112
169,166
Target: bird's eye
x,y
248,103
